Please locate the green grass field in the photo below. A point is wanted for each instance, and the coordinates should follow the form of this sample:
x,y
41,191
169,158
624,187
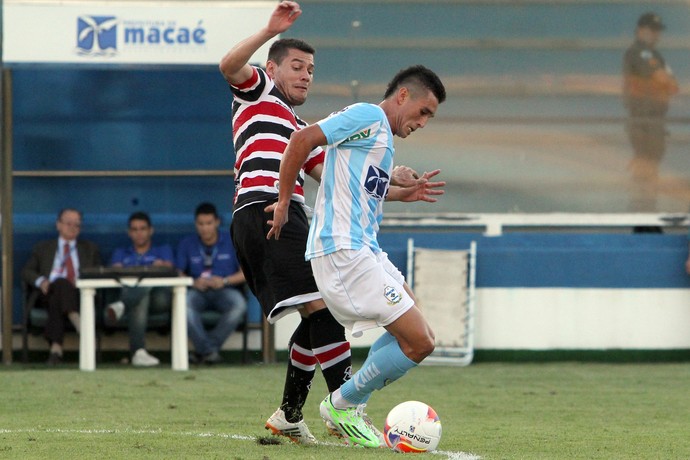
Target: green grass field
x,y
488,411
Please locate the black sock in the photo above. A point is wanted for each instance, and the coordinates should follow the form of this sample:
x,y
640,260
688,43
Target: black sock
x,y
331,349
300,372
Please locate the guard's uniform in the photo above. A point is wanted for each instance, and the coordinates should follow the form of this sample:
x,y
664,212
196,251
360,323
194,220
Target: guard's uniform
x,y
646,101
276,270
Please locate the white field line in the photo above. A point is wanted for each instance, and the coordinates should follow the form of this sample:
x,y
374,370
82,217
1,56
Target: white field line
x,y
447,454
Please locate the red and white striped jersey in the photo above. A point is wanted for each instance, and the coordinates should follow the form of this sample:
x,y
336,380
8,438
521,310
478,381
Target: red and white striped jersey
x,y
262,122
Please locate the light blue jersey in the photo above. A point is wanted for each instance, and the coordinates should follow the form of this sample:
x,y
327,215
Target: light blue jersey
x,y
354,182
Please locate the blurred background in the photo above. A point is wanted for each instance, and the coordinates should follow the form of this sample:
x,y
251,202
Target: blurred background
x,y
534,120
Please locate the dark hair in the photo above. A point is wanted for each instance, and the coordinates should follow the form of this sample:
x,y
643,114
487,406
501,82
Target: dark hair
x,y
139,215
64,210
418,76
206,208
651,20
279,49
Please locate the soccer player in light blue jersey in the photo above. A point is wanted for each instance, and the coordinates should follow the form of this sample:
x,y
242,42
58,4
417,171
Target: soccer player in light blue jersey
x,y
361,287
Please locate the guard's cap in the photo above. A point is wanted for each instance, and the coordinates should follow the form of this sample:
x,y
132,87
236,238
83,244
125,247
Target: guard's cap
x,y
651,20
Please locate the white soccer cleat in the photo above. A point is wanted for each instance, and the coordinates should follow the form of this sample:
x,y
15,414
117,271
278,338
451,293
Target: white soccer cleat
x,y
332,429
297,432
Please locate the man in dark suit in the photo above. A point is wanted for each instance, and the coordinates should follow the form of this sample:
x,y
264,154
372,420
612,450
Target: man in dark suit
x,y
53,269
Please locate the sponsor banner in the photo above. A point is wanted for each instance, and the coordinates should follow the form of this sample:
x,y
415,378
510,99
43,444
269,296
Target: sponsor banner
x,y
129,32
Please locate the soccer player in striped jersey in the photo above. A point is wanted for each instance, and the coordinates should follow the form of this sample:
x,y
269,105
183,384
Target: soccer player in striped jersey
x,y
362,288
276,271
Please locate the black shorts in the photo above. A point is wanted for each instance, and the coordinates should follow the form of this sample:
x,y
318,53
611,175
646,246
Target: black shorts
x,y
276,271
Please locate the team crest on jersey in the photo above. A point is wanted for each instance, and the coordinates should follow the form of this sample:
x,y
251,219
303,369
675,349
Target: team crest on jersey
x,y
376,183
392,295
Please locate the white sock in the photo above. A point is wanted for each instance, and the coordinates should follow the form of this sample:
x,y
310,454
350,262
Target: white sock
x,y
338,401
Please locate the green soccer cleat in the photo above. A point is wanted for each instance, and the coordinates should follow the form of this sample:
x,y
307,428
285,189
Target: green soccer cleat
x,y
349,423
362,411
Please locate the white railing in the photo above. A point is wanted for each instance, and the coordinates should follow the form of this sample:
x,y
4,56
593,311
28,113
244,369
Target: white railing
x,y
494,224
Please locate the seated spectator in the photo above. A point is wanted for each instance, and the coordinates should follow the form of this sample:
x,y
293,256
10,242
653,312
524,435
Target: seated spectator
x,y
53,269
209,258
137,302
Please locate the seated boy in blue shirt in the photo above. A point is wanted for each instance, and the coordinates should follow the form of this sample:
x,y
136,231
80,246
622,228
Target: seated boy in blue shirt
x,y
209,257
137,302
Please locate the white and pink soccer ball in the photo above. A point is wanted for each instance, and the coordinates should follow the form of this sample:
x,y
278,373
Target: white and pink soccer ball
x,y
412,427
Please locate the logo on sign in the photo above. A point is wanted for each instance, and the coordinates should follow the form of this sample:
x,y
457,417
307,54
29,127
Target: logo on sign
x,y
97,35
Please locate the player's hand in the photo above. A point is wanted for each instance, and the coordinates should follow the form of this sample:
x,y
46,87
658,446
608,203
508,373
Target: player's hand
x,y
280,218
404,176
423,190
285,14
269,209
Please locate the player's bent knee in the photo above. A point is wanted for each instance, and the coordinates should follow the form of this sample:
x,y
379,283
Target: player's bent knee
x,y
420,349
427,347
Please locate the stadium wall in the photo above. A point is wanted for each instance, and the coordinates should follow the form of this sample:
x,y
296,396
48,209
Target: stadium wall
x,y
565,291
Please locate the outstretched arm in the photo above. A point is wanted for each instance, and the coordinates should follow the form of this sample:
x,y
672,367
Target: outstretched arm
x,y
235,64
301,143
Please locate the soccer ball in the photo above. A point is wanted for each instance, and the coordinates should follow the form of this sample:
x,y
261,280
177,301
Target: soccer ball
x,y
412,426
